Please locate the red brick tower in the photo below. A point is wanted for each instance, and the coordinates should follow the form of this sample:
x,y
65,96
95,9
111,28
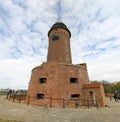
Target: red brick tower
x,y
57,81
59,44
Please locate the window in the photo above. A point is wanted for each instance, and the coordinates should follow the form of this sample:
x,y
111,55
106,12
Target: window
x,y
91,93
73,80
42,80
66,50
40,96
75,96
67,58
55,37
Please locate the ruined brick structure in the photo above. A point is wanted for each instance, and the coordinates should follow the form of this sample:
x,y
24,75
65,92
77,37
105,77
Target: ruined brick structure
x,y
58,79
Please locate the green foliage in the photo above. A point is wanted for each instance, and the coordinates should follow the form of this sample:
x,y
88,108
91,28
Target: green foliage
x,y
108,88
116,87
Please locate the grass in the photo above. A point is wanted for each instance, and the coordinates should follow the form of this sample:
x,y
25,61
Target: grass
x,y
8,120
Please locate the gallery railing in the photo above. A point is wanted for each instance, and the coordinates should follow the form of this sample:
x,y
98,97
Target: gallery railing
x,y
52,102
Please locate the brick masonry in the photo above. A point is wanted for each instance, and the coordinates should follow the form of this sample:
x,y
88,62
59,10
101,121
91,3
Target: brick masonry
x,y
58,78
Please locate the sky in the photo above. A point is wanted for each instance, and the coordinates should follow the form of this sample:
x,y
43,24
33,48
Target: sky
x,y
24,24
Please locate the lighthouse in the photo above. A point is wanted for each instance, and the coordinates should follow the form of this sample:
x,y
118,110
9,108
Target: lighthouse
x,y
58,82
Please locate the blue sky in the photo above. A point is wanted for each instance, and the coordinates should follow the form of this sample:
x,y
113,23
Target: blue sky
x,y
24,24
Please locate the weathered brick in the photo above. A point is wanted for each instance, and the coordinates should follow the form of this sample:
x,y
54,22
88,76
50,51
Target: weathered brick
x,y
63,80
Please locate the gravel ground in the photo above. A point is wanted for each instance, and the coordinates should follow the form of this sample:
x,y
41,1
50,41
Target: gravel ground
x,y
25,113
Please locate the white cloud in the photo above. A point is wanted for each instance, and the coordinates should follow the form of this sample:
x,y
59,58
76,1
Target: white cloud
x,y
16,73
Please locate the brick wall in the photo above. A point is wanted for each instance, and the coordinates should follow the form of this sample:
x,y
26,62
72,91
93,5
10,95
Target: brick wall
x,y
58,83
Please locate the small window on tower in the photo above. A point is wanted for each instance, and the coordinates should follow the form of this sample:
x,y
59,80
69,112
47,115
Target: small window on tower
x,y
67,58
73,80
55,37
42,80
66,49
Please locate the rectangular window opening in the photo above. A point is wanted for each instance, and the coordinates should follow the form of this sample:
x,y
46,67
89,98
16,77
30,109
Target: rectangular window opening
x,y
73,80
75,96
55,37
42,80
40,96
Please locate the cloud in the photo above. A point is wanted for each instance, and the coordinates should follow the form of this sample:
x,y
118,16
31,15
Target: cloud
x,y
16,73
24,24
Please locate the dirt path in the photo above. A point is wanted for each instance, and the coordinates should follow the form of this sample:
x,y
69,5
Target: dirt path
x,y
42,114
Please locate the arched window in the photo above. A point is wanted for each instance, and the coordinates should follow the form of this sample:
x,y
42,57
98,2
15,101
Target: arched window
x,y
66,49
67,58
91,93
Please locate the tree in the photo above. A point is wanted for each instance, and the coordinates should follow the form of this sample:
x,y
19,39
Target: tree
x,y
116,87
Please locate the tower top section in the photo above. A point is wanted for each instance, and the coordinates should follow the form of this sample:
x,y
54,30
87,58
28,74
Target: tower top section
x,y
59,25
59,44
